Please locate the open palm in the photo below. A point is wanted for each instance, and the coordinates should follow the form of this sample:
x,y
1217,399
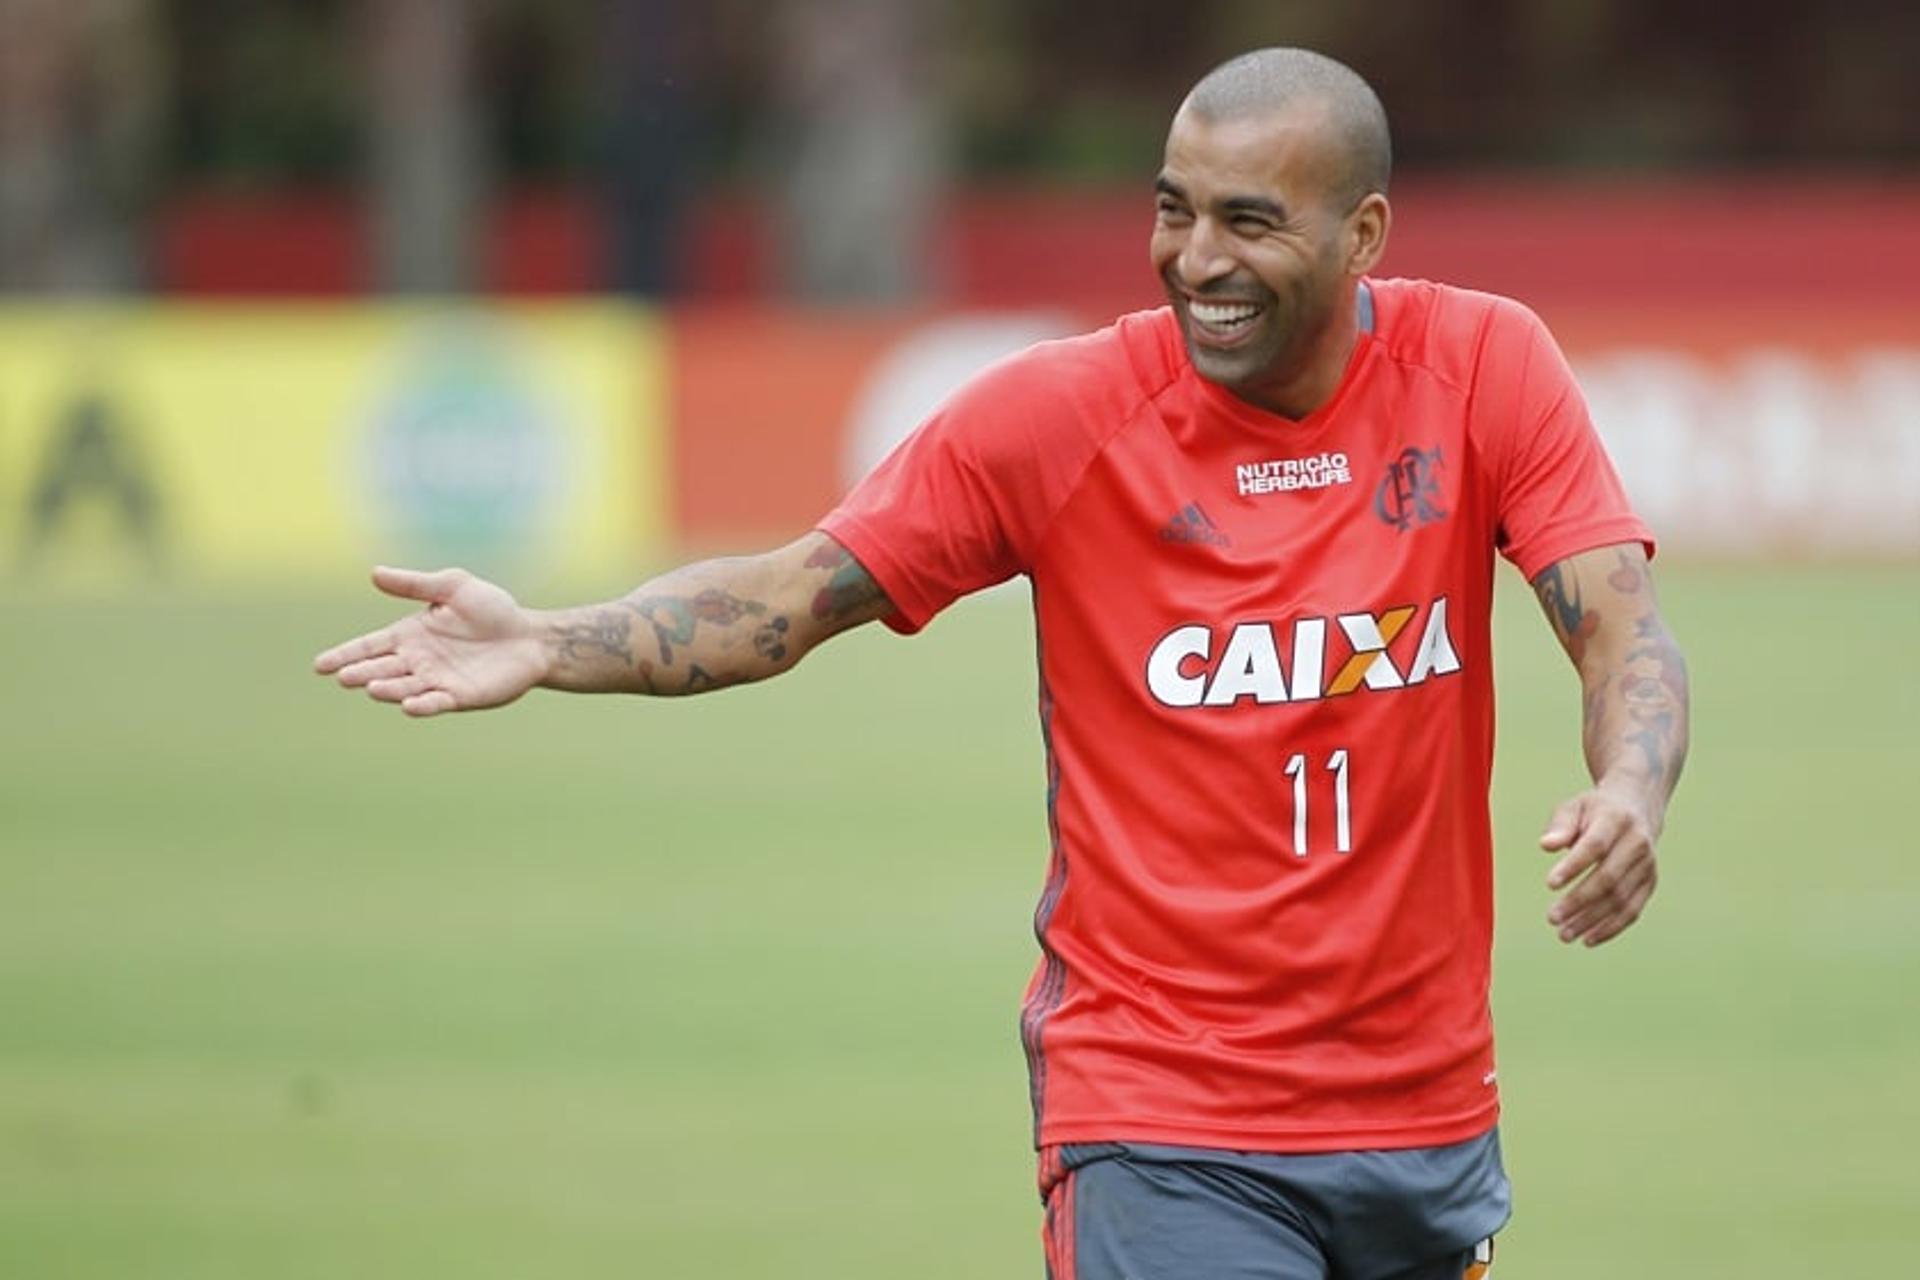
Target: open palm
x,y
471,647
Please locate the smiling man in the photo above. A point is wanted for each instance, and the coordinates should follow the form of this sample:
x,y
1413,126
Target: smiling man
x,y
1261,525
1272,198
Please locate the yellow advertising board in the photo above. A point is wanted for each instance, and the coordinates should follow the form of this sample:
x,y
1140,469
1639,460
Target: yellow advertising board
x,y
242,441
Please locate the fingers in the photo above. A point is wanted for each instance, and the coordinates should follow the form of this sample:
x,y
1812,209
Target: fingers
x,y
430,703
1589,858
408,584
1564,825
1585,836
416,695
1608,930
1617,902
398,688
1610,864
386,679
384,667
372,645
436,587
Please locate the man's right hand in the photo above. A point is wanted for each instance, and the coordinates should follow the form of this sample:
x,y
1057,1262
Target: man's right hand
x,y
471,647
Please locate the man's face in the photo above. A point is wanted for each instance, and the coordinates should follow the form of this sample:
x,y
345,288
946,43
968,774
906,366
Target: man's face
x,y
1249,244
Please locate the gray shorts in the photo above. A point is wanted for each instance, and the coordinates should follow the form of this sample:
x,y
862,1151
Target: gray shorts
x,y
1137,1211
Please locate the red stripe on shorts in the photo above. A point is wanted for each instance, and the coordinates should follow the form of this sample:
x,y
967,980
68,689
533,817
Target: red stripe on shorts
x,y
1056,1232
1066,1228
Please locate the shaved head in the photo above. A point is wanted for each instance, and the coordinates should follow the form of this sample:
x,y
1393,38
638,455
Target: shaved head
x,y
1287,81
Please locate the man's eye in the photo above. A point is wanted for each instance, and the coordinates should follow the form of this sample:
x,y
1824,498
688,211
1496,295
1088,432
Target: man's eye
x,y
1170,209
1251,225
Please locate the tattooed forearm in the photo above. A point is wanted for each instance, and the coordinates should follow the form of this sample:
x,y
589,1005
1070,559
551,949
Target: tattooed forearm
x,y
713,624
1652,697
708,636
1634,700
673,618
606,633
850,588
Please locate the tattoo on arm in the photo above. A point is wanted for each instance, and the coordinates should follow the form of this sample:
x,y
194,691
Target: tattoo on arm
x,y
850,588
1629,576
1653,694
608,633
703,637
770,641
673,618
714,624
1559,594
1635,703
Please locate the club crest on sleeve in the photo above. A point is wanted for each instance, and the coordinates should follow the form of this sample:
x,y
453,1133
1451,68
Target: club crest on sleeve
x,y
1409,493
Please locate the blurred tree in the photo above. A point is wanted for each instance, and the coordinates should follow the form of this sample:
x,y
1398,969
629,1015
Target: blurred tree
x,y
857,129
82,109
650,74
537,91
852,114
425,167
267,91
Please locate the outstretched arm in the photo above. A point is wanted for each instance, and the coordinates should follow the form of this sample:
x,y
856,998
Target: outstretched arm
x,y
1634,685
705,626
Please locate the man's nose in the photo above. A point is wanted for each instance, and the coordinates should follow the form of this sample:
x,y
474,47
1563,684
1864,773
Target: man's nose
x,y
1204,257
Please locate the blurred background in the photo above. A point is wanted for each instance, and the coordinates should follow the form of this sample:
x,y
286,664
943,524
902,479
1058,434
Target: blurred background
x,y
567,292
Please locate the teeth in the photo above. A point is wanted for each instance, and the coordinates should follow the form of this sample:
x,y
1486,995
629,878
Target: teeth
x,y
1221,315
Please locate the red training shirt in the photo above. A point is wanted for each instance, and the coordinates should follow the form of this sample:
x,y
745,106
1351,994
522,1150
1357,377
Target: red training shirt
x,y
1267,699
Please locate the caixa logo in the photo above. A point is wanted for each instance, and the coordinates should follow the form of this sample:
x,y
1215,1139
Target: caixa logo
x,y
1204,666
464,462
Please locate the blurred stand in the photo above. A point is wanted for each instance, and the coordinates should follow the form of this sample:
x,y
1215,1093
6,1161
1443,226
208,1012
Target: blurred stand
x,y
860,146
425,167
843,208
82,115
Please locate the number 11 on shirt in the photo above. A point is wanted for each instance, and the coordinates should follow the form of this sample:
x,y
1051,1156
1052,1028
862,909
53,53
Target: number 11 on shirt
x,y
1342,815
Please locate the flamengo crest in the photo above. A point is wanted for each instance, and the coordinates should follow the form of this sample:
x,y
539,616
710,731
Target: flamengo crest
x,y
1409,494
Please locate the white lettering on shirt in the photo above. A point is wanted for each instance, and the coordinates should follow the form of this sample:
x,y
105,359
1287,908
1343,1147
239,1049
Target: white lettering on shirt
x,y
1287,475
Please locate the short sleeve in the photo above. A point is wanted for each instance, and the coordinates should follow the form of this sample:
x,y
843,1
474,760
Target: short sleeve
x,y
1559,494
961,503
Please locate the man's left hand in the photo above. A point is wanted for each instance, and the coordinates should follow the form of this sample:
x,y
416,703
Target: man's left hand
x,y
1609,862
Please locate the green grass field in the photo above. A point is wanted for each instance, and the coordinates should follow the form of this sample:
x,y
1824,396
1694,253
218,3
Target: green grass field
x,y
292,987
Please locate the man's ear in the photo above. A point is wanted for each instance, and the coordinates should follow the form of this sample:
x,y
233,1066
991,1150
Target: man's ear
x,y
1367,228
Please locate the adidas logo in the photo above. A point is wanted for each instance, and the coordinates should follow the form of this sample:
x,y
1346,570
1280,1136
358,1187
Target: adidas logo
x,y
1191,524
